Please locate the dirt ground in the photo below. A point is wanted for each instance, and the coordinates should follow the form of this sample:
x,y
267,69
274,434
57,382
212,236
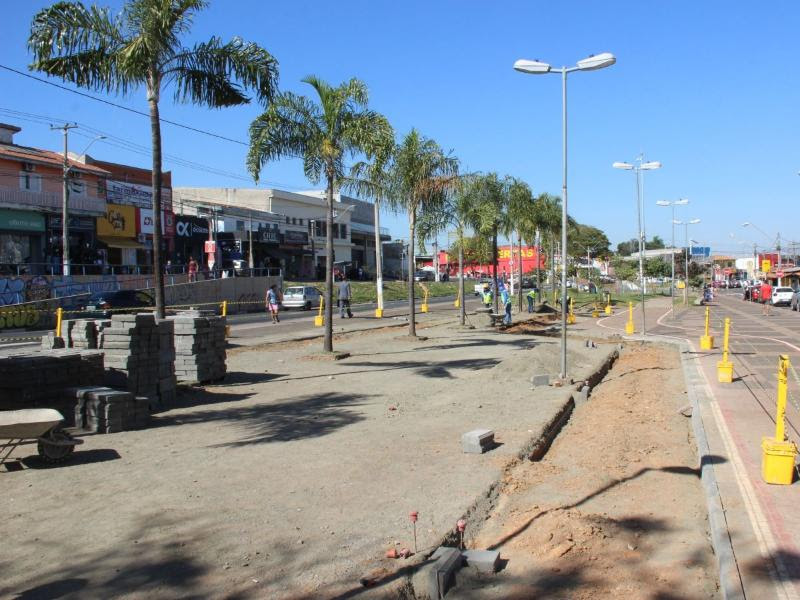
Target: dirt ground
x,y
615,508
290,479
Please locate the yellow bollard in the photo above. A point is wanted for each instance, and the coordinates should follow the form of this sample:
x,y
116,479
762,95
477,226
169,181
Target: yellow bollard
x,y
570,316
725,367
457,303
629,328
608,308
378,313
319,320
59,317
595,312
424,307
778,454
225,314
706,340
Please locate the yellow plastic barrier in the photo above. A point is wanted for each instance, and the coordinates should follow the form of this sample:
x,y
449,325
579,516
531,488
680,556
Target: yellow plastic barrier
x,y
59,317
319,320
424,306
725,367
706,340
778,454
629,327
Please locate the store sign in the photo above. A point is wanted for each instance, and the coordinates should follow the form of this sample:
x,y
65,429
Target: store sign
x,y
295,237
75,223
119,221
20,220
146,222
134,194
191,227
268,236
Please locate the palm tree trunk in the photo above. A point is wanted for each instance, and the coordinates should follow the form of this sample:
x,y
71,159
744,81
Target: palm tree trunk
x,y
327,343
461,308
519,280
412,225
158,271
494,267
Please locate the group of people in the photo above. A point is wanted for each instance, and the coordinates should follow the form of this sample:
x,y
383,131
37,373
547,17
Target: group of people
x,y
275,297
505,299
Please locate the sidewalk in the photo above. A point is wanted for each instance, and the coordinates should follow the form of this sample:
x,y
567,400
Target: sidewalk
x,y
762,522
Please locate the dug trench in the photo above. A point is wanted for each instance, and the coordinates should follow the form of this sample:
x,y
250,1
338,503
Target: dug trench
x,y
614,507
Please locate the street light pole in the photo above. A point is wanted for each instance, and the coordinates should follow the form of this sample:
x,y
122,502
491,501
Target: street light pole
x,y
686,238
65,268
535,67
638,168
673,204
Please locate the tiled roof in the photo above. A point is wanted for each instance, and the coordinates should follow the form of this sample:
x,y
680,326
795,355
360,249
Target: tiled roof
x,y
45,157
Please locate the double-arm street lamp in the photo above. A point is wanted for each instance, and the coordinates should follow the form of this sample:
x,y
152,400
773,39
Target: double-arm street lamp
x,y
686,238
773,239
535,67
673,204
638,168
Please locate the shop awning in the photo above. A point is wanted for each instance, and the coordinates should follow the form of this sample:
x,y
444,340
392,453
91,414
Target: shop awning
x,y
119,242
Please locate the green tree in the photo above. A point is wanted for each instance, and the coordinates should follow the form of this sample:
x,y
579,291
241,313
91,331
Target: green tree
x,y
142,47
421,177
585,237
521,218
324,133
626,270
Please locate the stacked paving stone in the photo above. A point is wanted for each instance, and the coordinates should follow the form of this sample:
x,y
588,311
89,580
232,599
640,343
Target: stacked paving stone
x,y
83,334
103,410
131,348
199,346
167,382
40,379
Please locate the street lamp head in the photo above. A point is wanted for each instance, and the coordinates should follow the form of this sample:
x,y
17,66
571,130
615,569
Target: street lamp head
x,y
665,203
597,61
677,221
682,202
694,221
746,224
533,67
648,166
622,165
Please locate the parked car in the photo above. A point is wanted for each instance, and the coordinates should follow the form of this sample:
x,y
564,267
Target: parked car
x,y
301,296
782,296
101,305
423,275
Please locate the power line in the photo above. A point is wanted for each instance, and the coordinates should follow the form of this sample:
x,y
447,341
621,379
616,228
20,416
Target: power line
x,y
122,107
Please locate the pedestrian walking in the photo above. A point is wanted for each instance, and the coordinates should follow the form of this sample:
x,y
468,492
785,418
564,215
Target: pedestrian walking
x,y
506,297
273,302
344,297
531,296
765,294
192,269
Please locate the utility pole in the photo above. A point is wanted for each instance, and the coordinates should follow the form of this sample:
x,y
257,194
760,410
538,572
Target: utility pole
x,y
435,260
251,262
65,270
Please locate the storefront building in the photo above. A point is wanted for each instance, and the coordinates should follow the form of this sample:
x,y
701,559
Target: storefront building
x,y
116,232
22,239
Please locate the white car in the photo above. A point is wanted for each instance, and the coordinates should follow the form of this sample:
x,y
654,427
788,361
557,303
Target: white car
x,y
782,296
301,296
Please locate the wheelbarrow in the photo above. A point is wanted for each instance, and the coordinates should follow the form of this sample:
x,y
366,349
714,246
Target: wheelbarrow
x,y
41,424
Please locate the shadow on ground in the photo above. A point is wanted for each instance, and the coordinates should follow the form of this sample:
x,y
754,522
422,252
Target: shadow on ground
x,y
292,419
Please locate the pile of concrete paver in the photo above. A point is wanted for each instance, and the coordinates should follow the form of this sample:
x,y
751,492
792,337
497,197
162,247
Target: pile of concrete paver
x,y
199,346
31,379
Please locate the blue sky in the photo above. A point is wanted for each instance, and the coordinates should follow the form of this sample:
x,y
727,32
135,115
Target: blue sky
x,y
707,88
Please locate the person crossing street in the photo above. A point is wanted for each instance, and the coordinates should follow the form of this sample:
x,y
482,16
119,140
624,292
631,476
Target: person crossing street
x,y
344,298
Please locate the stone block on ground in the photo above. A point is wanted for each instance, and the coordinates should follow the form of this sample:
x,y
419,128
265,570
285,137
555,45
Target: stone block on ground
x,y
477,441
484,561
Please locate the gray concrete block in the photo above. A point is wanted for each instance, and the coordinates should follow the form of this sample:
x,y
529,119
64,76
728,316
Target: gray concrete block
x,y
477,441
437,577
540,380
484,561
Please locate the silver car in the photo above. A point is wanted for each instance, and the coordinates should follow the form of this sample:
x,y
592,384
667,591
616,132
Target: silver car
x,y
301,296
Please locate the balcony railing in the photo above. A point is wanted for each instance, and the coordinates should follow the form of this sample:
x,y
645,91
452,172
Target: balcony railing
x,y
51,202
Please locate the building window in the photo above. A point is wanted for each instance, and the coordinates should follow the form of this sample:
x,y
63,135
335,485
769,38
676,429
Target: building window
x,y
299,221
343,231
274,227
239,225
30,182
77,187
287,220
336,230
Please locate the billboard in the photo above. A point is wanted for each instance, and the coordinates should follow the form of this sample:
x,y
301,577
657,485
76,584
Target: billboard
x,y
704,251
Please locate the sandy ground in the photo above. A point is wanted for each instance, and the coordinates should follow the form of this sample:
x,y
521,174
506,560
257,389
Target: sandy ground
x,y
615,509
290,480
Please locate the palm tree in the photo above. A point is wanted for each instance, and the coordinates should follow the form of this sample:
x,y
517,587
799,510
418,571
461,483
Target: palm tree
x,y
421,176
142,47
491,196
324,134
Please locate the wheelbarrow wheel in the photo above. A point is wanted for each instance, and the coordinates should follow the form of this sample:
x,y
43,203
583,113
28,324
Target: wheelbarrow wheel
x,y
56,447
